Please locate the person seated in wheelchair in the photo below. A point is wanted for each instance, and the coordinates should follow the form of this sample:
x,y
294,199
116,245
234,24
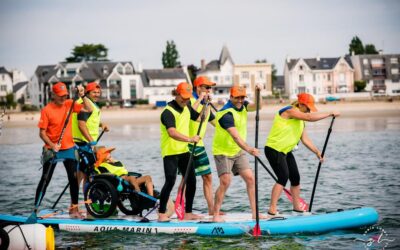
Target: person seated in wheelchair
x,y
106,164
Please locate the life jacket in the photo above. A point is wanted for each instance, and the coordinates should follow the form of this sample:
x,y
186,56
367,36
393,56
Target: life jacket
x,y
92,124
116,168
194,125
285,134
223,143
170,146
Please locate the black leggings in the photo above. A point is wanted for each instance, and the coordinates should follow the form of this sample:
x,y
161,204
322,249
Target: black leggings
x,y
70,167
284,166
171,164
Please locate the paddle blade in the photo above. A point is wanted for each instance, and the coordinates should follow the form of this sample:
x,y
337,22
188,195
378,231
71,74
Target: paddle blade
x,y
180,205
256,230
303,203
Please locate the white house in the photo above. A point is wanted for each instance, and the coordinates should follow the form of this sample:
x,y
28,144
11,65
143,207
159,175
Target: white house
x,y
159,83
221,72
13,81
320,77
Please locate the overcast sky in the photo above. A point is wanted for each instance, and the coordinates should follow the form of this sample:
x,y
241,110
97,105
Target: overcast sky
x,y
40,32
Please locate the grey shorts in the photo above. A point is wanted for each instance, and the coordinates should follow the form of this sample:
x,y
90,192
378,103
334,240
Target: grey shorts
x,y
234,164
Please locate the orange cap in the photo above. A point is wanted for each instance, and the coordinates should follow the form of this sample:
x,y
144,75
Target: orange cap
x,y
92,86
307,100
238,91
60,89
102,154
203,80
184,89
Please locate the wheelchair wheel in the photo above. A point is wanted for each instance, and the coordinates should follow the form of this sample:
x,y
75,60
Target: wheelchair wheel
x,y
104,198
129,204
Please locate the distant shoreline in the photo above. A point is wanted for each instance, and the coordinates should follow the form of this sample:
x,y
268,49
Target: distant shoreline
x,y
149,115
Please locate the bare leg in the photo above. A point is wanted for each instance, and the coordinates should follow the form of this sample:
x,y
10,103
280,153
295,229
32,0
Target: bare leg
x,y
224,182
208,194
147,181
295,190
248,177
275,194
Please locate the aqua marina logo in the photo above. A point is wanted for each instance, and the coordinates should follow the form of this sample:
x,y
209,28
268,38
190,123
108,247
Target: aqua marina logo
x,y
375,238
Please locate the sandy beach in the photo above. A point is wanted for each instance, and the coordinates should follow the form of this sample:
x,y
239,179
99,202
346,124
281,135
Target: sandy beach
x,y
148,115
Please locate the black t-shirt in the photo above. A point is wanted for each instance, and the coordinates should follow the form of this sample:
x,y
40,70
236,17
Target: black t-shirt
x,y
168,119
227,121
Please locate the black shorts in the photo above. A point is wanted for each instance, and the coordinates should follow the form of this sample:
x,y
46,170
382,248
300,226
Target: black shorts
x,y
284,166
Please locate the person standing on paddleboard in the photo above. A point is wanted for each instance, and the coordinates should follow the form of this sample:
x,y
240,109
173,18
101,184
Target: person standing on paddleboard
x,y
201,95
175,137
85,129
287,130
230,147
52,119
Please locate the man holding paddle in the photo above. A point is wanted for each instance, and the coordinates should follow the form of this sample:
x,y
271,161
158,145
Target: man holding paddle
x,y
287,130
85,128
175,137
56,132
230,147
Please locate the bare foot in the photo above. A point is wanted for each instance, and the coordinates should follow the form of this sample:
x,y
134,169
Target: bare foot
x,y
191,216
218,218
163,217
220,213
75,213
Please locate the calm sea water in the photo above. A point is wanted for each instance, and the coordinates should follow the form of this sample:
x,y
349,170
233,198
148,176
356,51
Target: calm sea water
x,y
362,168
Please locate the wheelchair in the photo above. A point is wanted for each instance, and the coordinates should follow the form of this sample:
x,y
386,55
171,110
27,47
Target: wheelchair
x,y
103,193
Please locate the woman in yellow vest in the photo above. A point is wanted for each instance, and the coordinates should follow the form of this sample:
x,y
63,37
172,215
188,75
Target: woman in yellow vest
x,y
286,132
175,137
230,147
85,128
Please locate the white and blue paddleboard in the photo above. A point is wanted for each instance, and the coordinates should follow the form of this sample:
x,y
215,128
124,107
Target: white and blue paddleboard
x,y
235,223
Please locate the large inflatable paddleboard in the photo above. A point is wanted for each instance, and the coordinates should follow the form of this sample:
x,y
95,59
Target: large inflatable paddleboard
x,y
235,223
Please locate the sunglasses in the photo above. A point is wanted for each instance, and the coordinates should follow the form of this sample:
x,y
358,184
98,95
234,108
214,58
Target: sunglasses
x,y
206,87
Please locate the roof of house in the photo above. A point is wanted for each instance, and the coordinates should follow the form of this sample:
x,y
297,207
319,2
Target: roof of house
x,y
3,70
215,64
19,85
322,63
151,74
89,71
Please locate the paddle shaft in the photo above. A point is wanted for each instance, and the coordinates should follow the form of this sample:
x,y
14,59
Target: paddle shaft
x,y
42,188
203,115
319,164
62,193
256,231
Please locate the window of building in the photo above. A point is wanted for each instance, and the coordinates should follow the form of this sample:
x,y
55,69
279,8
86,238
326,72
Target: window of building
x,y
301,89
245,75
377,62
365,61
260,74
120,70
342,77
394,71
301,67
301,78
314,90
216,78
394,60
366,72
3,87
314,77
395,80
2,77
227,79
329,77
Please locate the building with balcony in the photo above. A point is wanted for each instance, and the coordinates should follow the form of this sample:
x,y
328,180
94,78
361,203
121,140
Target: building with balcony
x,y
118,80
380,72
14,82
